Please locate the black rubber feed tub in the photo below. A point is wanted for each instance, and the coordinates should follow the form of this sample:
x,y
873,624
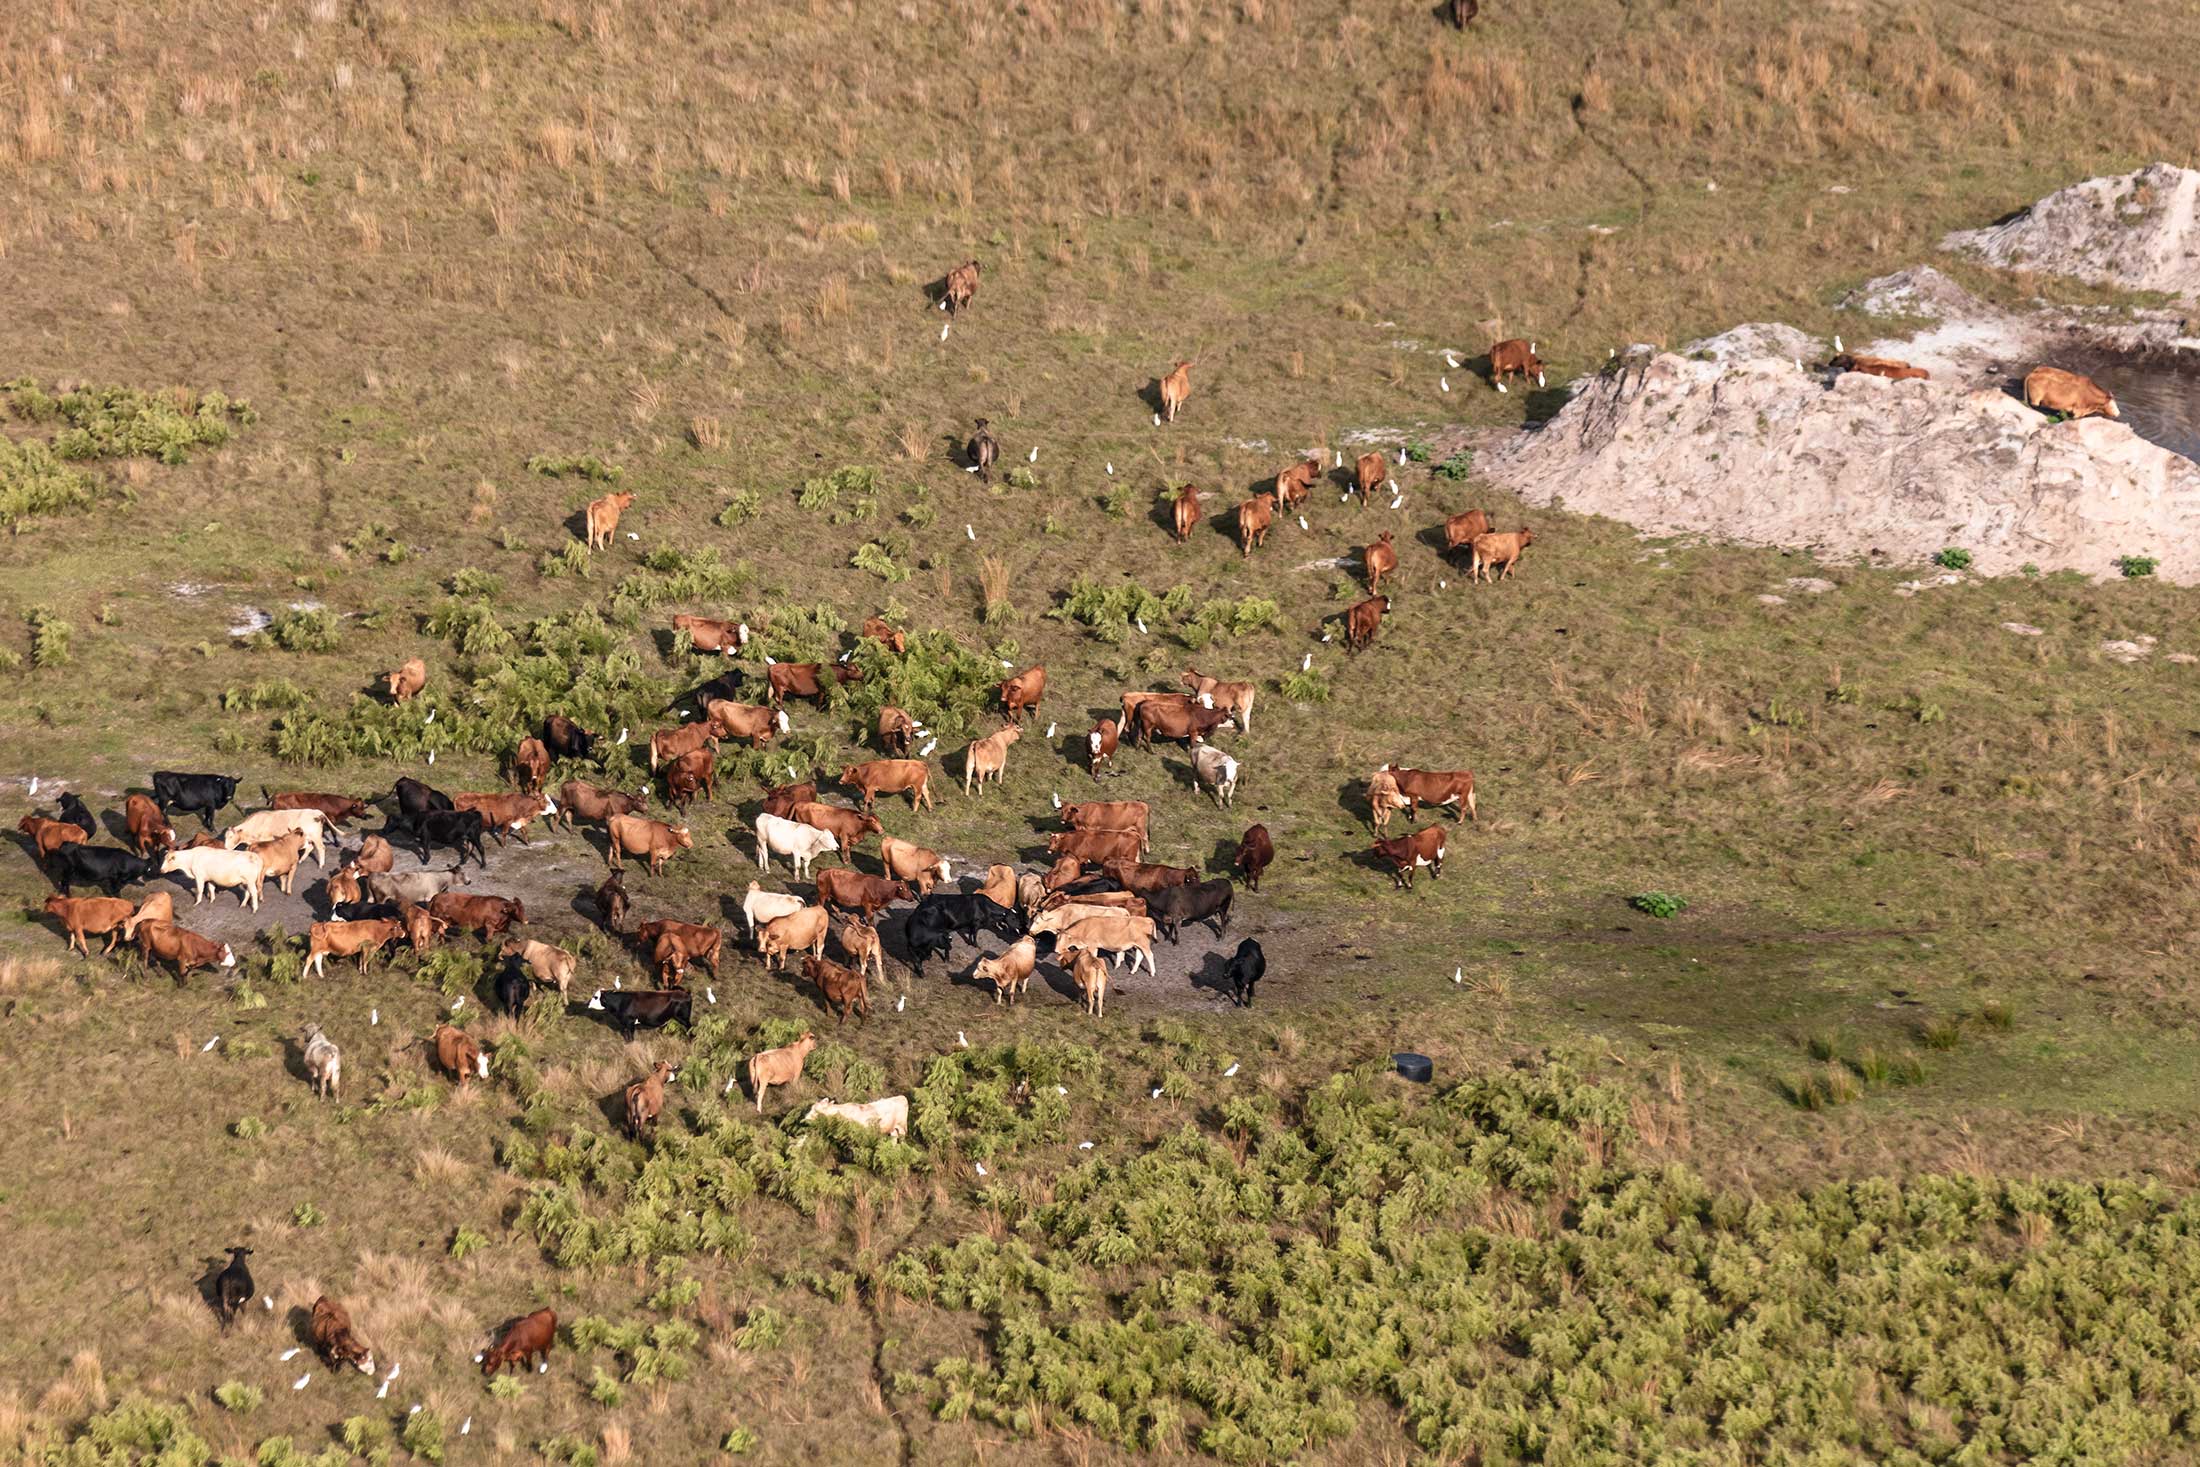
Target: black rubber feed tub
x,y
1415,1067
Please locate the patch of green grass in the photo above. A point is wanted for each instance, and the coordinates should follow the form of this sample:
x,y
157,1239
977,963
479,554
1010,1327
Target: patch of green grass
x,y
123,422
744,506
575,466
1940,1032
237,1397
1661,905
304,629
1953,558
49,638
34,483
2133,566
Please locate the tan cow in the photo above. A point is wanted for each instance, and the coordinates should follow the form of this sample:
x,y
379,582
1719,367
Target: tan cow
x,y
407,681
1500,552
325,940
880,630
645,1098
2051,389
530,765
653,840
1184,512
877,777
896,730
458,1053
1296,482
860,941
708,634
760,905
546,964
211,868
922,868
603,518
79,915
279,860
988,757
1235,699
1383,798
756,722
1120,935
1380,559
159,907
793,933
1175,388
1254,516
781,1066
1009,973
1887,367
1368,473
1089,971
961,287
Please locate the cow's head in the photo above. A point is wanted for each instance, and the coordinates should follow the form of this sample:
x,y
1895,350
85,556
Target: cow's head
x,y
229,959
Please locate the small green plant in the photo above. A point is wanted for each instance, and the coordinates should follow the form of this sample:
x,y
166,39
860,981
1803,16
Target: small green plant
x,y
1120,499
33,482
569,559
306,1215
1419,452
1840,1086
738,1442
1659,904
1995,1014
745,505
465,1241
276,694
124,422
1940,1032
1459,466
1022,477
1872,1067
878,559
508,1387
248,1128
238,1397
49,638
822,491
1953,559
423,1435
473,581
1802,1091
1820,1046
2134,566
569,1449
364,1435
1307,685
605,1389
583,466
302,629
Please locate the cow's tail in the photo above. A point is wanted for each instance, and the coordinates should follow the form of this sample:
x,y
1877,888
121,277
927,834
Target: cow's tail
x,y
266,800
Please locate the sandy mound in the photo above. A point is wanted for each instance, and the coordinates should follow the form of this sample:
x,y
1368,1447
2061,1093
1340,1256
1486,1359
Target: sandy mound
x,y
1750,448
2140,231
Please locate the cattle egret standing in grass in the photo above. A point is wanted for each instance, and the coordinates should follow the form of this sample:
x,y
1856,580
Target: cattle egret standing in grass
x,y
288,1355
467,1427
943,332
374,1016
901,1003
1444,382
300,1383
458,1003
1057,799
1006,663
1111,470
1306,663
1226,1074
1457,974
768,662
34,785
383,1394
710,995
1050,730
782,720
960,1040
1837,341
980,1166
431,756
269,1301
967,530
1340,458
430,718
1302,521
1142,627
1033,456
729,1086
1501,388
210,1044
929,746
1157,420
632,536
622,735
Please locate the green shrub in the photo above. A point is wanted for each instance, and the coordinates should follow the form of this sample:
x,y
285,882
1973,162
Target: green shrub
x,y
306,1215
1953,559
2133,566
1307,685
1021,477
465,1241
1459,466
1940,1032
738,1442
473,581
238,1397
672,575
605,1389
583,466
1658,904
569,559
573,1450
938,681
508,1387
745,505
1418,452
823,491
423,1435
1110,611
276,693
301,629
879,559
248,1128
1120,499
49,638
123,422
33,482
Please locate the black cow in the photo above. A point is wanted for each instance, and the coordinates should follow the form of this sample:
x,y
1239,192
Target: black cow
x,y
513,988
566,739
1246,966
646,1008
73,811
203,793
458,830
233,1286
109,868
942,916
1174,905
415,799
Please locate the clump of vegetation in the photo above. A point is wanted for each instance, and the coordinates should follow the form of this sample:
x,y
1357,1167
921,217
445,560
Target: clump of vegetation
x,y
301,629
33,482
306,1215
1943,1031
1459,466
49,637
123,422
851,479
1307,685
569,559
465,1241
938,681
669,574
1111,611
1244,617
880,559
2134,566
572,466
1120,499
1953,559
238,1397
745,505
1658,904
423,1435
276,693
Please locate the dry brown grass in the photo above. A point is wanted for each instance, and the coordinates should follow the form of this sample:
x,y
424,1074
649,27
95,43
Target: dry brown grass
x,y
995,580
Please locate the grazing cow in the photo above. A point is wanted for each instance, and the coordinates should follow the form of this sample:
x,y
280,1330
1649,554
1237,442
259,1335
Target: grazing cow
x,y
149,829
415,887
566,739
781,799
337,810
798,930
668,744
984,449
1247,965
1515,358
896,729
674,945
1254,516
1408,853
850,890
1089,971
1101,742
848,827
530,765
1501,551
458,1053
1362,620
1010,973
988,757
525,1342
1383,799
800,844
1368,472
1110,815
781,1066
578,800
889,1117
645,1098
960,289
279,860
79,915
1460,529
547,965
602,518
1254,853
344,889
215,868
756,722
333,1336
879,630
310,825
1178,721
406,681
1117,935
646,1008
1175,388
512,990
942,916
459,831
891,777
324,1062
48,836
760,905
233,1287
1216,770
491,916
1021,693
1209,901
652,840
999,886
807,680
182,948
325,940
109,868
905,861
1235,699
1144,879
1439,787
860,942
1184,512
709,634
691,775
1887,367
1380,560
507,814
1296,482
159,907
611,902
1096,845
2053,390
204,794
843,989
374,855
422,928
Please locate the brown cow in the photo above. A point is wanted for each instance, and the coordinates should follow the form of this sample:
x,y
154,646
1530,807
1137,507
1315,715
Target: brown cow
x,y
1515,358
1101,742
895,731
1132,701
859,940
695,943
547,965
159,907
1381,560
912,863
1235,699
983,450
1125,901
1143,879
1438,787
491,916
1294,483
279,860
325,940
1383,799
668,744
1362,621
525,1341
1368,473
1184,512
879,630
338,809
1887,367
423,929
645,1098
1089,971
849,827
1254,517
1175,388
988,757
79,915
1110,815
1022,692
1500,551
1463,12
653,840
530,765
1406,854
708,634
459,1054
1460,529
602,518
961,287
782,799
689,775
781,1066
851,890
999,886
793,933
579,800
1065,871
180,946
1095,845
755,722
842,988
48,836
1010,973
891,777
503,814
375,856
806,679
149,829
332,1335
407,681
611,902
2052,390
1254,854
1170,721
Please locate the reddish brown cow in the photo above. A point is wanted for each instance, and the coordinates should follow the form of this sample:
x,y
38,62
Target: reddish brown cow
x,y
755,722
879,630
1095,845
502,814
1184,512
1254,517
338,809
48,836
530,765
849,827
806,679
895,731
1175,389
1362,621
1438,787
843,989
1887,367
1065,870
525,1341
79,915
781,800
422,928
708,634
1022,692
674,945
891,777
1254,854
1368,473
653,840
691,774
149,829
1515,358
1110,815
1143,879
961,287
181,947
491,916
1170,721
578,800
1101,743
1381,559
850,890
1408,853
602,519
1294,483
668,744
1460,529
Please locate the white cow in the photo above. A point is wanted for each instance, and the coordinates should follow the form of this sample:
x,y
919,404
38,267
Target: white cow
x,y
207,867
324,1062
269,825
800,844
1216,770
762,906
890,1115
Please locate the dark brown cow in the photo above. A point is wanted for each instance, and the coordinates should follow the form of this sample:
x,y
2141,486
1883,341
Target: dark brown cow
x,y
333,1336
149,829
984,450
1406,854
530,765
782,799
1254,854
1460,529
1022,692
1362,621
895,731
1463,12
961,287
1515,358
611,902
689,775
852,891
525,1341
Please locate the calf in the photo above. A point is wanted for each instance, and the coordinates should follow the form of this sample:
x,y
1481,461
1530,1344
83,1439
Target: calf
x,y
690,775
647,1008
1499,551
530,765
850,890
942,916
233,1287
988,757
79,915
547,965
1254,853
1101,743
611,902
109,868
1175,389
203,794
879,630
48,836
325,940
578,800
1439,787
760,905
1515,358
1216,770
794,932
645,1098
216,869
566,739
842,988
896,730
1209,901
708,634
78,814
687,942
923,868
668,744
1235,699
406,681
1089,971
781,1066
889,1117
1296,482
181,948
601,518
526,1341
422,928
1247,965
755,722
458,1053
1368,472
891,777
1408,853
960,289
512,990
1380,560
860,941
503,814
800,844
332,1334
1362,621
1254,516
149,830
279,860
1010,973
780,800
1184,512
848,827
1460,529
1021,694
652,840
324,1062
491,916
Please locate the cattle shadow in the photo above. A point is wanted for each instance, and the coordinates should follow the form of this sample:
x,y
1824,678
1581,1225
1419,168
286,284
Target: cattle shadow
x,y
1544,403
1224,859
1162,515
1150,395
1212,974
1352,800
294,1059
612,1108
209,1286
298,1319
